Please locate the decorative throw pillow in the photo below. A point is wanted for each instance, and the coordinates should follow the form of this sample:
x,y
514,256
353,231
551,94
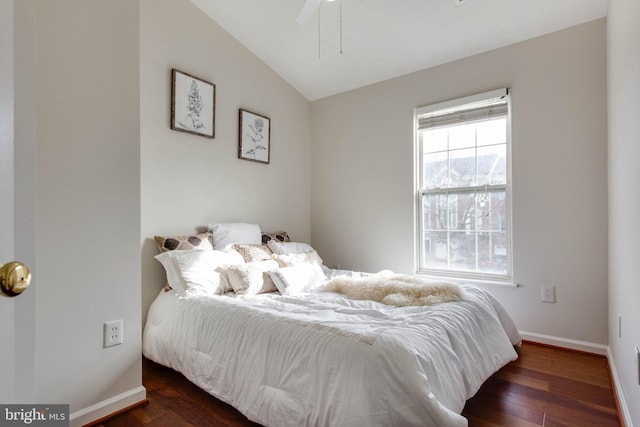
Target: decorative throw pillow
x,y
293,259
289,247
251,279
199,241
224,235
252,253
298,279
279,236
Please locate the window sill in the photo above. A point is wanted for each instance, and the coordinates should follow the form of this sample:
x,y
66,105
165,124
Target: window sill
x,y
507,282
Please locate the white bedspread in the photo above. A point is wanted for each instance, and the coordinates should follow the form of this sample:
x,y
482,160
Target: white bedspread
x,y
325,360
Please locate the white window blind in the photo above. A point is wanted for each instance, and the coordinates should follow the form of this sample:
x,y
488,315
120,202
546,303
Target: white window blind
x,y
468,113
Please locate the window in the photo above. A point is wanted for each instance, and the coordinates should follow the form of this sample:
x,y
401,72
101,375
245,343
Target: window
x,y
463,187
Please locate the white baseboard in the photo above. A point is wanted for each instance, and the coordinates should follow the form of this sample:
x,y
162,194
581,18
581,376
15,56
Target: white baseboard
x,y
107,407
619,392
588,347
603,350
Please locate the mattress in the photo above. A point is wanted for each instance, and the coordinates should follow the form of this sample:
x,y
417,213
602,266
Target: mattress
x,y
322,359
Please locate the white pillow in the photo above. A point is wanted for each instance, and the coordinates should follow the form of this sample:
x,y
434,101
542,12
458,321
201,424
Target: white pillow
x,y
172,276
251,278
292,259
225,234
291,253
298,279
195,270
281,248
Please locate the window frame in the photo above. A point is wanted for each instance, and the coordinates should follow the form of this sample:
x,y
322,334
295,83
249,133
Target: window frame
x,y
419,192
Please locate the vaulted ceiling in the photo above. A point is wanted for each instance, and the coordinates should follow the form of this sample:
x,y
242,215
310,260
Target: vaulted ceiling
x,y
382,39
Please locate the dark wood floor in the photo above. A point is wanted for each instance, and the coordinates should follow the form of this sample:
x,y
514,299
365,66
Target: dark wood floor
x,y
546,386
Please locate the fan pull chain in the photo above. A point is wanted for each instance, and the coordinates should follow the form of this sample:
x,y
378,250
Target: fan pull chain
x,y
318,30
340,27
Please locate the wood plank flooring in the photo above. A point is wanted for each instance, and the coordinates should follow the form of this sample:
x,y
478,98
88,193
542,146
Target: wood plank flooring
x,y
546,386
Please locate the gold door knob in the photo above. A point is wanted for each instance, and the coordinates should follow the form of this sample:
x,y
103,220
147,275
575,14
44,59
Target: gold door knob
x,y
15,277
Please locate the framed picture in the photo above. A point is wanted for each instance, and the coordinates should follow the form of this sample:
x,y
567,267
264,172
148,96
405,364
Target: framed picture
x,y
254,135
193,104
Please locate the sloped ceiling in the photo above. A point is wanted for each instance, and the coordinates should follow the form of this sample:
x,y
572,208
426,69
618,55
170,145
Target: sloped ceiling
x,y
382,39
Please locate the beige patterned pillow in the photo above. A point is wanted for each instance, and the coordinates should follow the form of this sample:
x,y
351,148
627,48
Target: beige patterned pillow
x,y
252,253
251,279
199,241
278,236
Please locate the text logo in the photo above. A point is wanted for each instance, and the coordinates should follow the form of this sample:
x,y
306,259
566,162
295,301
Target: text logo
x,y
34,415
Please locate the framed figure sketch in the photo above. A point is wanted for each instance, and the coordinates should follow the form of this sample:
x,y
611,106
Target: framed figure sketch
x,y
254,137
193,104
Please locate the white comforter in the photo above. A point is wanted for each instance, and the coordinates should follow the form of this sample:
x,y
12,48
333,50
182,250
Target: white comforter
x,y
326,360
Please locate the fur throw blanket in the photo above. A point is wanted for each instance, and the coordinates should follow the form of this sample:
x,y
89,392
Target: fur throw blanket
x,y
400,290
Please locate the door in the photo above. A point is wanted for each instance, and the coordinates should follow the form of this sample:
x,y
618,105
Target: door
x,y
7,305
17,315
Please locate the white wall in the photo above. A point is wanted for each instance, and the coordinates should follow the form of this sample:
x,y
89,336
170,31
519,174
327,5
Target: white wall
x,y
624,197
189,181
87,193
362,173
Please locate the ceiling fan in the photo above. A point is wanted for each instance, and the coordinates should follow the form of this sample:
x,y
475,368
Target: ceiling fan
x,y
308,9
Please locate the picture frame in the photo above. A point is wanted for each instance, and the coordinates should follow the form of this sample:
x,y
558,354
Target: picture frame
x,y
193,104
254,137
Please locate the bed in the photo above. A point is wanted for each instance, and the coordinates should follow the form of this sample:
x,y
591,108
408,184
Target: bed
x,y
318,358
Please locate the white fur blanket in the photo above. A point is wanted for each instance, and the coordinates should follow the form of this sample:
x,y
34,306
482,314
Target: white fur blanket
x,y
400,290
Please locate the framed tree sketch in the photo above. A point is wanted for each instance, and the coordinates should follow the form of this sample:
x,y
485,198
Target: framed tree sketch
x,y
193,104
254,137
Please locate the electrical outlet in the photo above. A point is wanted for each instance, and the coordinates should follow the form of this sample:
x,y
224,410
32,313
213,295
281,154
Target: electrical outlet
x,y
112,333
548,294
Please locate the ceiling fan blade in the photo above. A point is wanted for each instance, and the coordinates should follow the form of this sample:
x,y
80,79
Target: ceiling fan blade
x,y
307,10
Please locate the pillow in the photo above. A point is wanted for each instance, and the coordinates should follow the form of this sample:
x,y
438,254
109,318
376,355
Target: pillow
x,y
293,259
198,241
194,271
252,253
289,247
298,279
226,234
279,236
173,280
251,279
